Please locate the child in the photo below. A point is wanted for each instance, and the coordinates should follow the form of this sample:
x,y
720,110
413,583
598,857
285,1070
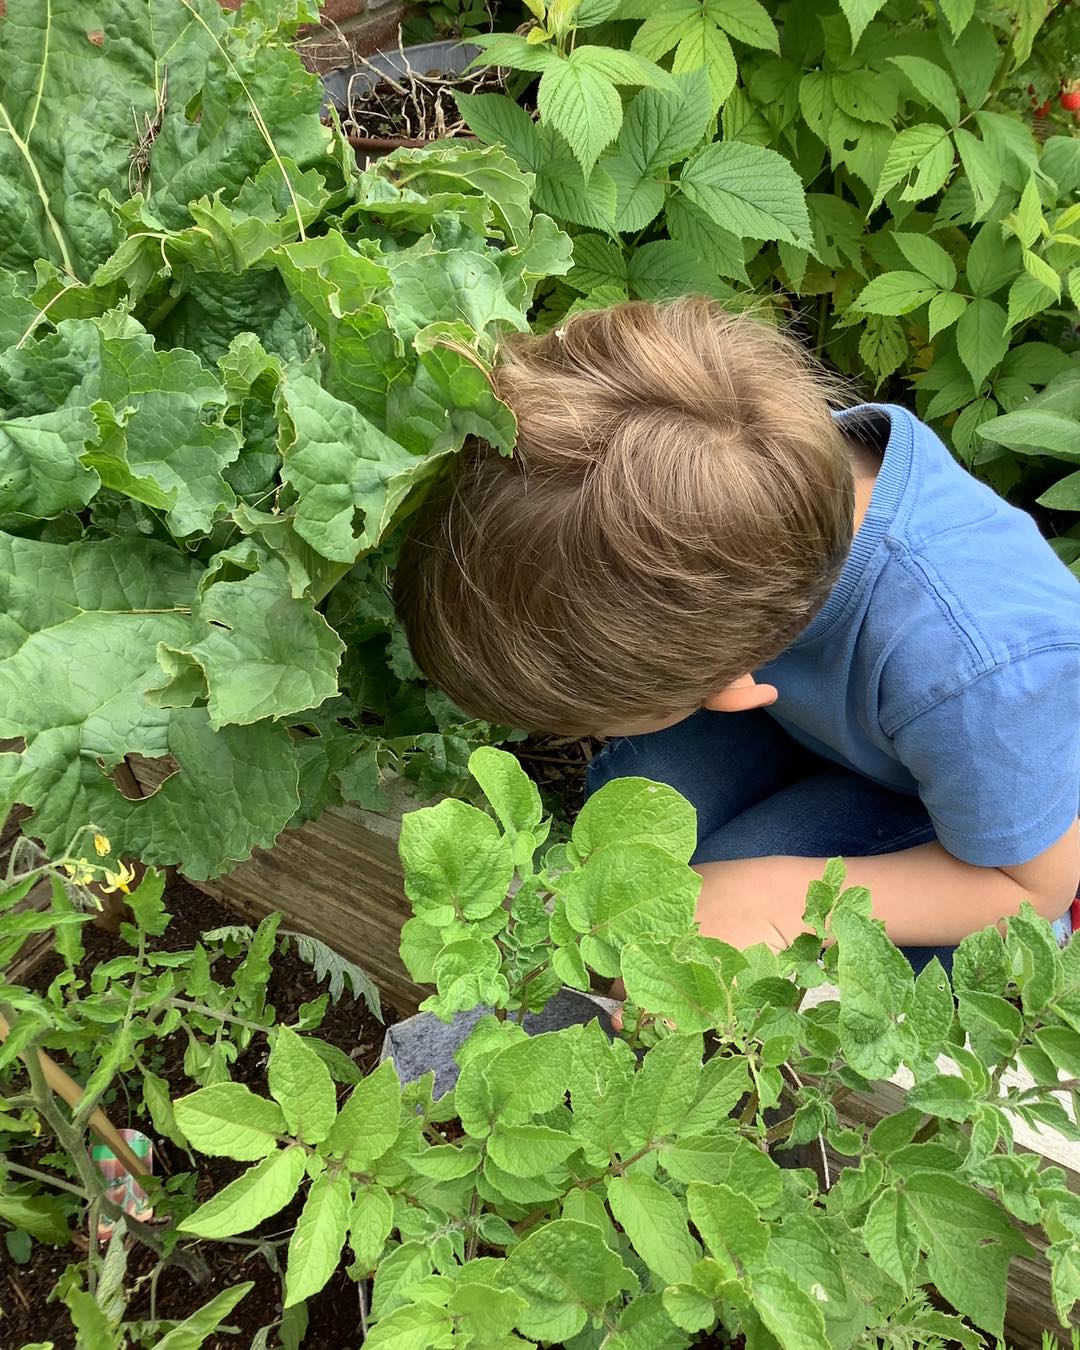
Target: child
x,y
817,626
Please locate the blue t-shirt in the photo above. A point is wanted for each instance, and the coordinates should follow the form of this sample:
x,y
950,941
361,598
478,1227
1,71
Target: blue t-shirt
x,y
946,661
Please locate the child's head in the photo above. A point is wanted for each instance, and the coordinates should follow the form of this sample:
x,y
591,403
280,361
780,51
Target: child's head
x,y
677,507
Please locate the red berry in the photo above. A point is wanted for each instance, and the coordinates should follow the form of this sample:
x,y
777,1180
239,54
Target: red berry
x,y
1044,110
1070,100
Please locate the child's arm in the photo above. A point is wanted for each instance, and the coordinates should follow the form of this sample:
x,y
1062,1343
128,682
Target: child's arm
x,y
926,897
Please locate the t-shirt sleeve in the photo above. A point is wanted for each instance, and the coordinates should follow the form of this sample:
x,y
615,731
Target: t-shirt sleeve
x,y
998,761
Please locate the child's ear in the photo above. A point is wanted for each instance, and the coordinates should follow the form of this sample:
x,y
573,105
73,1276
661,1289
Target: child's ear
x,y
741,695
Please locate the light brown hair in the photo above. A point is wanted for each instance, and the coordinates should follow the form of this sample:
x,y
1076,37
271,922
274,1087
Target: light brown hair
x,y
677,508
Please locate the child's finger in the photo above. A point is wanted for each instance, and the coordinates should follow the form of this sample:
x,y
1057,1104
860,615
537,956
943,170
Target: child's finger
x,y
616,1018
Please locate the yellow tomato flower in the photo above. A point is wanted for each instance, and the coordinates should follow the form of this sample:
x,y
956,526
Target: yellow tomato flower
x,y
119,881
102,845
81,872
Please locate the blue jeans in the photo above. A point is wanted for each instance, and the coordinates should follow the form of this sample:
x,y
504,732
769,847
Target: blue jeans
x,y
760,794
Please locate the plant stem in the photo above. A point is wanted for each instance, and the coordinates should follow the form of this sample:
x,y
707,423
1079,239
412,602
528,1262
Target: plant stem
x,y
35,1175
213,1012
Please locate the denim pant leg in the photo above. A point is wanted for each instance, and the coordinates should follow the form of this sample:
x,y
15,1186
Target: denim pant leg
x,y
722,763
760,794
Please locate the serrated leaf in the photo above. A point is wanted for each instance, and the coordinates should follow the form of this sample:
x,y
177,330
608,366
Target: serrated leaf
x,y
982,168
655,1222
228,1120
945,308
317,1240
254,1196
300,1083
705,47
928,257
858,14
583,106
934,84
566,1274
746,21
895,293
981,338
876,993
661,127
192,1332
924,151
751,191
368,1123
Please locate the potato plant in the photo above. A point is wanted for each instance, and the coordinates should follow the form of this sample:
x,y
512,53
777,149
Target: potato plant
x,y
575,1189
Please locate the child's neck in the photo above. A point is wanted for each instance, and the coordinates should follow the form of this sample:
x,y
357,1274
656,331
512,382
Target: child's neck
x,y
865,463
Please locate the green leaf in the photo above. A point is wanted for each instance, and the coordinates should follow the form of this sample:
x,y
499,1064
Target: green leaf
x,y
621,894
370,1220
457,863
636,811
663,1090
750,191
724,1083
921,157
724,1160
858,14
895,293
262,651
703,46
864,96
982,168
655,1222
191,1333
890,1239
512,794
945,308
661,127
368,1123
942,1095
566,1274
529,1077
227,1120
417,1326
254,1196
933,83
42,1216
876,994
300,1083
340,463
991,261
928,257
958,14
968,1243
498,120
746,21
511,49
529,1150
883,345
1028,297
932,1008
793,1317
728,1222
981,338
664,269
685,990
317,1240
600,1080
619,67
583,106
41,474
400,1271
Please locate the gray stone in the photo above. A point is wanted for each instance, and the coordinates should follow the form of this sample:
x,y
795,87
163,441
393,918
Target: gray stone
x,y
424,1042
